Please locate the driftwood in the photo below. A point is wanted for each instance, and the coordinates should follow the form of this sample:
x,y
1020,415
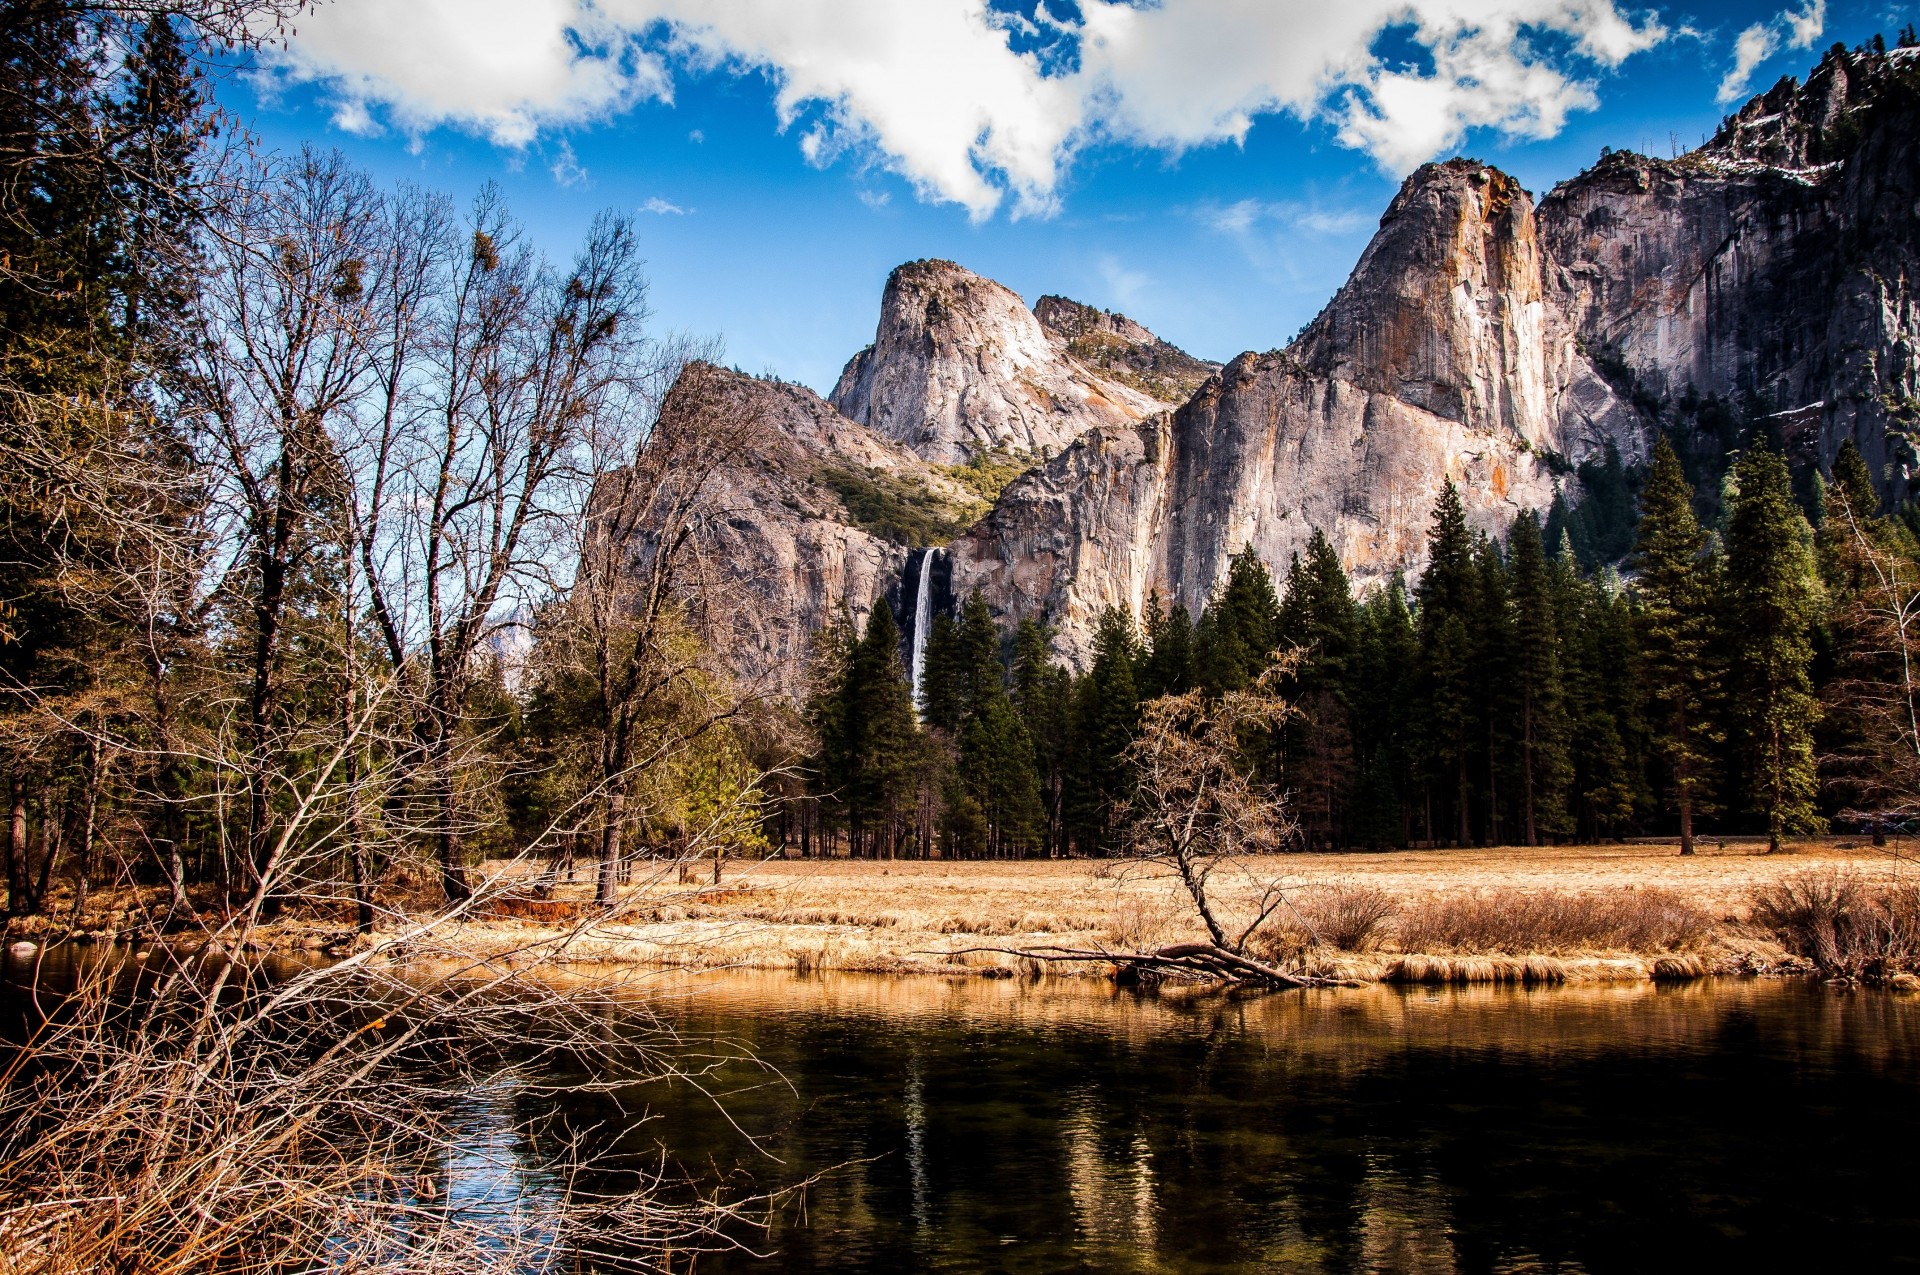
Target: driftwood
x,y
1206,960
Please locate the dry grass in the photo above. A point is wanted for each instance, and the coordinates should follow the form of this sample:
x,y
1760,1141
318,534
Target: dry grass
x,y
1847,925
1641,919
1602,912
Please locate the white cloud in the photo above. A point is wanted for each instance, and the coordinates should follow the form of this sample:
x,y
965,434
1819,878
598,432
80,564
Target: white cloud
x,y
1805,26
662,208
937,91
1799,28
1248,215
566,169
1123,285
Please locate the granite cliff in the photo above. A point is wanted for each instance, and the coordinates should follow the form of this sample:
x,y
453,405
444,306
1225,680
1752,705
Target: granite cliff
x,y
1762,283
960,366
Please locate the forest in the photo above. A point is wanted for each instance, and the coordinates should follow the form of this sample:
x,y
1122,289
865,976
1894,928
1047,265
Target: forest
x,y
1744,675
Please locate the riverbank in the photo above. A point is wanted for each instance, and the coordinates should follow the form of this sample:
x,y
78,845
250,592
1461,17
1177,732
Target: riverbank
x,y
1554,914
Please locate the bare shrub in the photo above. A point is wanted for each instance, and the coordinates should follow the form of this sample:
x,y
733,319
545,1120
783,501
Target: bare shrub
x,y
1514,920
1844,926
1345,916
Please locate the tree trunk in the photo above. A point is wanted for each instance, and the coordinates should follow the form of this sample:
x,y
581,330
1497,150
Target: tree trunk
x,y
610,832
17,850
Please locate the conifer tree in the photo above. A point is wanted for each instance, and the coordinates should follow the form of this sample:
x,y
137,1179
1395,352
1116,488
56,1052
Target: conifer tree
x,y
1167,666
1244,621
1491,626
1773,602
1042,692
943,701
882,737
1317,615
1536,672
1385,660
1676,588
1106,711
1447,695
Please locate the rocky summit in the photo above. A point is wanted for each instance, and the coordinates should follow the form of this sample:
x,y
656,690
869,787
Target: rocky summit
x,y
1762,283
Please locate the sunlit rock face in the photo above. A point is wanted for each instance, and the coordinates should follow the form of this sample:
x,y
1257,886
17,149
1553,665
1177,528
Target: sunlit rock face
x,y
783,551
1496,343
1482,338
959,365
1446,356
1773,267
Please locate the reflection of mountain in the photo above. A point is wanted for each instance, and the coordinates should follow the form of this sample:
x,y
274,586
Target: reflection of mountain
x,y
1762,283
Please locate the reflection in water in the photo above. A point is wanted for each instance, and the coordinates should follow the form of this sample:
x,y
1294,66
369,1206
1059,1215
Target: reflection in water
x,y
1109,1178
1062,1127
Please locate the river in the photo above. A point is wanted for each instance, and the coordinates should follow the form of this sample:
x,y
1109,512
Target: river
x,y
1062,1126
982,1126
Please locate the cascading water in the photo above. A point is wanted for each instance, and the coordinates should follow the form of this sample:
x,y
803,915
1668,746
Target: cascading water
x,y
922,620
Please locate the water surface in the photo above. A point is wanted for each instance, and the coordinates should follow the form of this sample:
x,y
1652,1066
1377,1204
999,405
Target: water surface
x,y
983,1126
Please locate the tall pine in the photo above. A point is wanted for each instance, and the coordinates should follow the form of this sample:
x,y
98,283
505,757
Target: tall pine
x,y
1774,599
1679,659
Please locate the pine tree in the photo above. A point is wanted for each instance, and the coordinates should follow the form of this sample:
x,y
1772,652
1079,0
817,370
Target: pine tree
x,y
1385,660
1773,601
1243,627
1491,628
1677,589
883,737
1536,672
1167,668
1106,712
1318,616
1042,692
981,676
943,701
1447,695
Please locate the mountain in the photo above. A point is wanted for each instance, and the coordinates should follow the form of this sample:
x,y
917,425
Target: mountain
x,y
960,366
1760,286
1447,355
817,516
1770,272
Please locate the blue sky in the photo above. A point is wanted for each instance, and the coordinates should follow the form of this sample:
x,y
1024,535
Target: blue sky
x,y
1214,176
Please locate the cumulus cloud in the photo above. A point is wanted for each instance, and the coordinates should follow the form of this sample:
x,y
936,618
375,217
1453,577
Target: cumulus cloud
x,y
1798,28
971,105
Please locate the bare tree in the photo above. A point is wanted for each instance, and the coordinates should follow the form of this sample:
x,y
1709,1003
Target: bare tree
x,y
461,474
282,323
636,622
1875,696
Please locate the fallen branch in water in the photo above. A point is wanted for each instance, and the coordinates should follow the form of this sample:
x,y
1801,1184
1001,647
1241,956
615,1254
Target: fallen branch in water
x,y
1205,959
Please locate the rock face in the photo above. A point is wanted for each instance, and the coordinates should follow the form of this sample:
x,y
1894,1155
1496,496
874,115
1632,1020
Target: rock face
x,y
959,366
1121,350
786,550
1446,356
1480,339
1487,341
1773,267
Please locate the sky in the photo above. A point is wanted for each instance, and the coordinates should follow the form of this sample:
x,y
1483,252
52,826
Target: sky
x,y
1211,168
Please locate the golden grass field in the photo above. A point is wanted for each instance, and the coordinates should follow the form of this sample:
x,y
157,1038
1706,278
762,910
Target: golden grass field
x,y
1575,913
924,917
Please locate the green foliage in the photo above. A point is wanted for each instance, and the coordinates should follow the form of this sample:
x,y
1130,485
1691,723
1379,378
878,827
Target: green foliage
x,y
1774,600
896,507
987,473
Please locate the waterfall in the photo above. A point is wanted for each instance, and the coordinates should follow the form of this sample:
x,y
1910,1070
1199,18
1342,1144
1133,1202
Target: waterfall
x,y
922,619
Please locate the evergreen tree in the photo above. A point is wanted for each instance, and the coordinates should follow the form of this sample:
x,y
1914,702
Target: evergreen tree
x,y
1317,615
943,699
1536,672
981,676
1042,692
1243,627
882,738
1677,590
996,760
1773,601
1106,711
1447,694
1491,628
1168,664
1385,660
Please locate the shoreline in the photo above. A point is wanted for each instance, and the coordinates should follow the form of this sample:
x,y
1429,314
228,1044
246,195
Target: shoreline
x,y
916,917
